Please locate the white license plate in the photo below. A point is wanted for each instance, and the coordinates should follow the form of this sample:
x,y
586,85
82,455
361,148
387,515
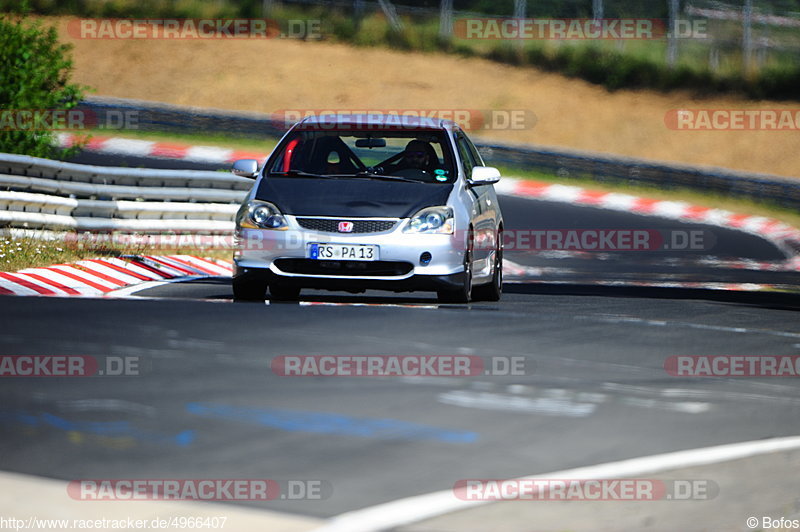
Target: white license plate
x,y
342,252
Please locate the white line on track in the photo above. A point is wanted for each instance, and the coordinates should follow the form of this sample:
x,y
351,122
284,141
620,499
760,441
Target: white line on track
x,y
664,323
414,509
130,290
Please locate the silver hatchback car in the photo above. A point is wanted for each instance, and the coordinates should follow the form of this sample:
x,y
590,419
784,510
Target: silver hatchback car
x,y
358,202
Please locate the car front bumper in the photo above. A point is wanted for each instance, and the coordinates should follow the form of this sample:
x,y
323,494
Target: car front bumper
x,y
403,263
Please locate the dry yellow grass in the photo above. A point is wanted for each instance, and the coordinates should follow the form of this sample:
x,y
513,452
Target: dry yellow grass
x,y
272,75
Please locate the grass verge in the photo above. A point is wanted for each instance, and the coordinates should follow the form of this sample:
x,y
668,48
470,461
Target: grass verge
x,y
17,253
243,143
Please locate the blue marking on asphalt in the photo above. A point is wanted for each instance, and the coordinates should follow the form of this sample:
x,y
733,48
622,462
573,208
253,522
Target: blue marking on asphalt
x,y
102,428
326,423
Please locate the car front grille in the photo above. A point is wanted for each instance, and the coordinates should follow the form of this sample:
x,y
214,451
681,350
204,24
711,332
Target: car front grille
x,y
331,225
354,268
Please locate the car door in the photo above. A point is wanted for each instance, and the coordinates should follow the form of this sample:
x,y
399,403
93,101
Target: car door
x,y
484,208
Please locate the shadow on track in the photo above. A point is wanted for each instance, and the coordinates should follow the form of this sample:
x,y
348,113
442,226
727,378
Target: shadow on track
x,y
771,300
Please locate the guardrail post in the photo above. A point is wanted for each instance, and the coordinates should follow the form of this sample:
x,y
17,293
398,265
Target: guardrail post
x,y
391,15
672,39
446,19
747,36
597,9
520,8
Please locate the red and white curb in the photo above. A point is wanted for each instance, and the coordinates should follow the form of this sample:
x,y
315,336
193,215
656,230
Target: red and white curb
x,y
160,150
786,237
108,276
121,277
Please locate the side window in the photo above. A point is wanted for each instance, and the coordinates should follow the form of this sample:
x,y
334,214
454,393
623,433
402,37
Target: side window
x,y
466,155
475,154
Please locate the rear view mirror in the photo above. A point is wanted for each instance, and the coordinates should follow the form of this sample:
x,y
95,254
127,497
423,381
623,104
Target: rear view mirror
x,y
371,143
245,168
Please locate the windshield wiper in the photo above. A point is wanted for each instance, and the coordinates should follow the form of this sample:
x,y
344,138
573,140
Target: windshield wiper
x,y
371,175
300,173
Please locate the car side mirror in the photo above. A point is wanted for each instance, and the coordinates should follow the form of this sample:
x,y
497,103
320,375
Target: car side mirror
x,y
245,168
484,175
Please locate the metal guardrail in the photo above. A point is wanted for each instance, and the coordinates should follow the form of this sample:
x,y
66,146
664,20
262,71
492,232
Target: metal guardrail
x,y
783,191
45,194
565,163
154,116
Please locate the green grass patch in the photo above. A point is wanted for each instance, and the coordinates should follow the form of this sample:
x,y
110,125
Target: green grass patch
x,y
17,253
243,143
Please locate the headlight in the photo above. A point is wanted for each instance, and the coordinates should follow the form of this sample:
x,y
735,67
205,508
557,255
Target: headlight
x,y
262,215
433,220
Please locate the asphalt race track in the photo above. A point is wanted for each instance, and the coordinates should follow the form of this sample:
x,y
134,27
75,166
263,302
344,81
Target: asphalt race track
x,y
207,404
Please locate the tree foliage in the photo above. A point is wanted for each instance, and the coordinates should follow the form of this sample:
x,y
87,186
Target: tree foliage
x,y
35,76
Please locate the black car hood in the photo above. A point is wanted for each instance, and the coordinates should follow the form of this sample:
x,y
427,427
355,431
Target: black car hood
x,y
345,197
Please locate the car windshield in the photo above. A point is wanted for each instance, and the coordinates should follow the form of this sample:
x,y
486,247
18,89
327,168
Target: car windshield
x,y
422,156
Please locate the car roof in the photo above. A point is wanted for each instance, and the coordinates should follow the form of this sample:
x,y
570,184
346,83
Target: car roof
x,y
376,121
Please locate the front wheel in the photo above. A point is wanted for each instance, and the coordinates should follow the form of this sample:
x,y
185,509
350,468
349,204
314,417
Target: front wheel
x,y
494,290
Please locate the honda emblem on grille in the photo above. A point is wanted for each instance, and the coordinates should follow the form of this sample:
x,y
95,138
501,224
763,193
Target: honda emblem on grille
x,y
345,227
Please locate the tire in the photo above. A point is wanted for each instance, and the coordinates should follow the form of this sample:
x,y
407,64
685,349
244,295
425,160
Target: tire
x,y
494,290
462,294
282,292
249,289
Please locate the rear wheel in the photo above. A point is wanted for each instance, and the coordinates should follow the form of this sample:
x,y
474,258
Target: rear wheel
x,y
249,289
282,292
462,294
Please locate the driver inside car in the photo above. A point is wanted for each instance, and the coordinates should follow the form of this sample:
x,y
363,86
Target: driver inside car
x,y
419,155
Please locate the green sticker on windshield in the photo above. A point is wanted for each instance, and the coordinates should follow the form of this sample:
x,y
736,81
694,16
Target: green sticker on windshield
x,y
441,178
439,171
